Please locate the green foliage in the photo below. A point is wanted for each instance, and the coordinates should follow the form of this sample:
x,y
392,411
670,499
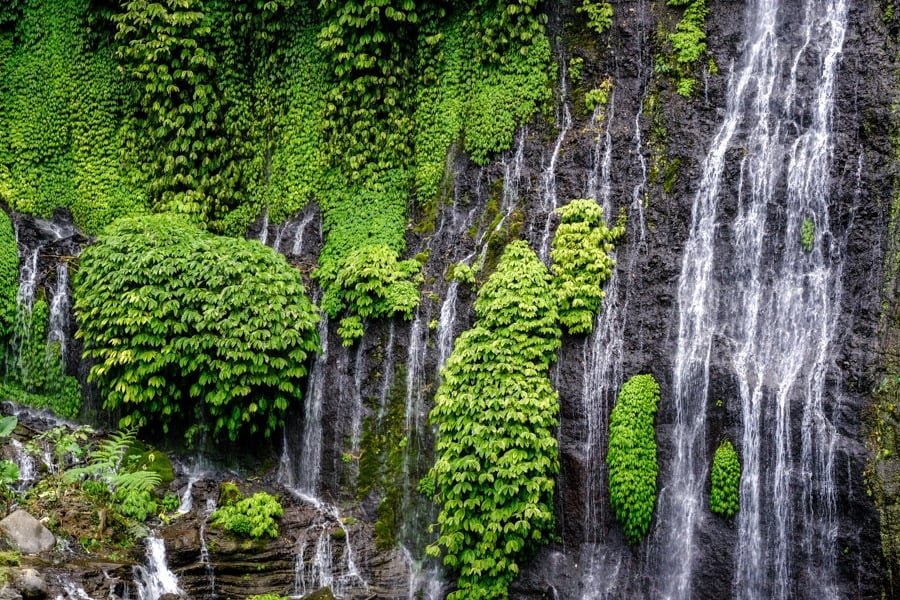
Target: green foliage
x,y
582,262
130,491
252,517
372,283
807,234
725,480
60,107
9,278
36,374
599,15
631,460
268,597
462,273
466,97
599,96
9,471
186,326
688,42
495,412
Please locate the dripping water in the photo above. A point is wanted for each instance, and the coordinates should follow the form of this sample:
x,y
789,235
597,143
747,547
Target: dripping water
x,y
549,200
154,579
58,322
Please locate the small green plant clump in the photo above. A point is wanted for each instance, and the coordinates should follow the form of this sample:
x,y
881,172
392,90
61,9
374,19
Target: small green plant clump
x,y
725,480
9,278
9,471
807,234
688,42
253,517
372,283
192,329
582,262
495,412
599,15
632,458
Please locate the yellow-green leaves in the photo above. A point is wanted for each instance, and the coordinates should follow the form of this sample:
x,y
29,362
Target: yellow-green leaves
x,y
495,412
186,327
631,460
254,517
582,262
725,480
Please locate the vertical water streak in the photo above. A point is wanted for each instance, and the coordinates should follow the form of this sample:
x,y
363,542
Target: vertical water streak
x,y
549,200
264,230
155,579
307,479
388,372
300,232
58,323
680,499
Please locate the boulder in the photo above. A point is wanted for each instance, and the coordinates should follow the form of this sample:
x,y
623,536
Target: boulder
x,y
8,593
322,594
32,585
26,534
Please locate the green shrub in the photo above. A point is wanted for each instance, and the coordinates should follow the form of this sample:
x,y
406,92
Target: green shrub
x,y
688,42
725,480
9,278
495,413
582,262
372,283
252,517
599,15
807,234
631,460
186,326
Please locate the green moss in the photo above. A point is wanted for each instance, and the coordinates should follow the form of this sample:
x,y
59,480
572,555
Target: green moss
x,y
632,457
807,234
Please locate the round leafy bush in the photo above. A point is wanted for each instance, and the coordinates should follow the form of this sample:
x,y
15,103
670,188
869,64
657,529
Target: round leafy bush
x,y
183,324
725,478
582,262
631,460
495,412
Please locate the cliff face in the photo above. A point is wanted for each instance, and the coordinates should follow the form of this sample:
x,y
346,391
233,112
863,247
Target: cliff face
x,y
645,153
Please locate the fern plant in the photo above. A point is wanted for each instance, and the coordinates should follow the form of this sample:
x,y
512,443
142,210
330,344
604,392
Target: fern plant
x,y
254,517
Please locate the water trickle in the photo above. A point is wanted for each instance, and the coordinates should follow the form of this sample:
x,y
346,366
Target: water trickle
x,y
205,562
25,462
300,233
58,323
388,372
425,581
639,191
314,564
72,591
549,200
359,372
307,479
155,579
264,230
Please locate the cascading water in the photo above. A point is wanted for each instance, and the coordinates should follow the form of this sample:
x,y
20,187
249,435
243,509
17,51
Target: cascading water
x,y
58,323
314,565
781,311
549,200
155,579
307,479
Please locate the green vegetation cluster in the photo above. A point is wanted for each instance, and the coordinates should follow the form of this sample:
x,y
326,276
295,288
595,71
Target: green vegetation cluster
x,y
725,481
582,262
807,234
632,459
186,326
495,412
599,15
688,43
254,517
60,109
100,490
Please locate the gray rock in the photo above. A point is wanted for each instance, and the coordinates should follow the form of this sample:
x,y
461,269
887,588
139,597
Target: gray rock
x,y
8,593
26,533
322,594
32,585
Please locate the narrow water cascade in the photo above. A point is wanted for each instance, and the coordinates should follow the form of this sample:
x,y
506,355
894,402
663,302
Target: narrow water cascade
x,y
205,561
549,199
310,460
58,323
154,578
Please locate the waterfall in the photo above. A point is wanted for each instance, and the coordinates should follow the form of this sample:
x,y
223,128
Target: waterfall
x,y
300,232
264,229
311,451
155,579
388,372
205,562
780,308
314,565
58,323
